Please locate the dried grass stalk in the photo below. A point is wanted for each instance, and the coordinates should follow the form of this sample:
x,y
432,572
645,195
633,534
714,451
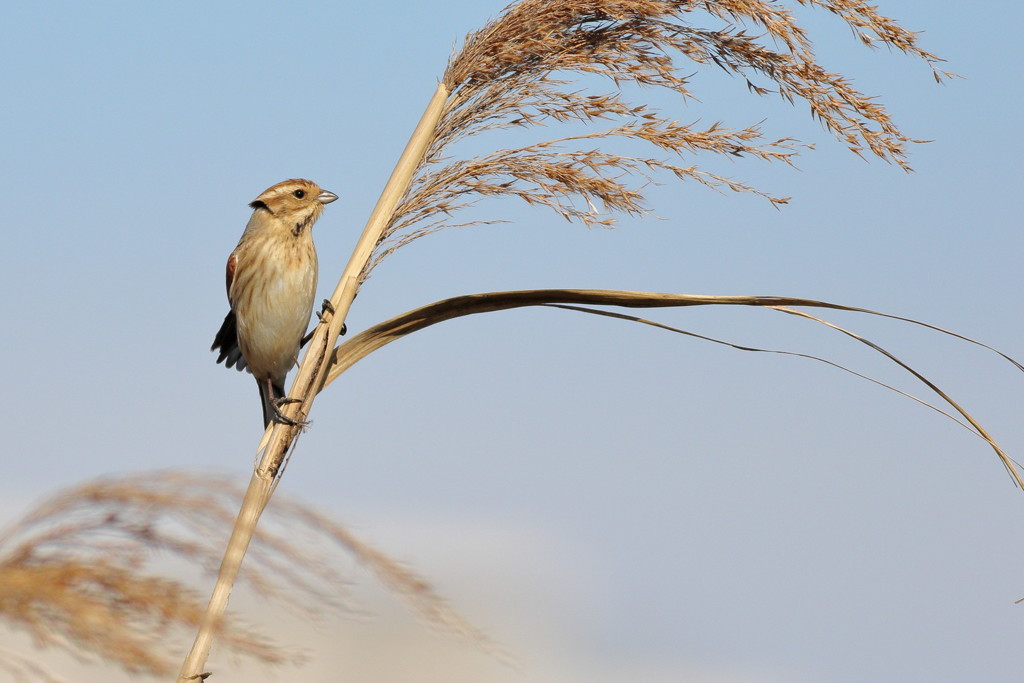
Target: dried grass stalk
x,y
522,69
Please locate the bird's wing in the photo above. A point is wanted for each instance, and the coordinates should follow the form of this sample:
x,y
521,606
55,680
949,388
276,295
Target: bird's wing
x,y
232,262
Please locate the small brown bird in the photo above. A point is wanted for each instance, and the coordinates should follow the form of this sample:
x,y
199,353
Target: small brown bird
x,y
271,279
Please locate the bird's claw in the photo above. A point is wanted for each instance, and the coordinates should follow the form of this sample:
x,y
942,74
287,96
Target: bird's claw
x,y
325,308
281,418
328,308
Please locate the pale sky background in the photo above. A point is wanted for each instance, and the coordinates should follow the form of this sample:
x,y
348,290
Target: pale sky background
x,y
608,501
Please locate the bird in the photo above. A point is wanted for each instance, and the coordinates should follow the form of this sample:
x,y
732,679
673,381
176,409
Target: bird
x,y
271,284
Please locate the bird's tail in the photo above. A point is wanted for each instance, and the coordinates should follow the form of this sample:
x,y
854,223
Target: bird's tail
x,y
226,343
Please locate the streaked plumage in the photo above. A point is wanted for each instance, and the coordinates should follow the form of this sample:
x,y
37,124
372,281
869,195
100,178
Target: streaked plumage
x,y
271,283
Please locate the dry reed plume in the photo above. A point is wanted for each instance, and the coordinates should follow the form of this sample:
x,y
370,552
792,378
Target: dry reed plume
x,y
78,572
518,71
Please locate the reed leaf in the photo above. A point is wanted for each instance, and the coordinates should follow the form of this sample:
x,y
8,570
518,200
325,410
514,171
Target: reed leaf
x,y
366,342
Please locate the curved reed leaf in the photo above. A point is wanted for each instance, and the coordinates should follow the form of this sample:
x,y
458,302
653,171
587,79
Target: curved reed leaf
x,y
373,338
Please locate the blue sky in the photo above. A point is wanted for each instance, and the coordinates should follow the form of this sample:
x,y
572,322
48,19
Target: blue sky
x,y
657,507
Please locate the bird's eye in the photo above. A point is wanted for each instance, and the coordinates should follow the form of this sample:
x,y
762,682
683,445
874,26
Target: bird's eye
x,y
299,194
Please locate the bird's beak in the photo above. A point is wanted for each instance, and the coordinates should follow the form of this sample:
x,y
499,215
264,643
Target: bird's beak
x,y
326,197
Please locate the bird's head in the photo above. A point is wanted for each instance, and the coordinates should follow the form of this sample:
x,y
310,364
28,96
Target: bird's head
x,y
297,202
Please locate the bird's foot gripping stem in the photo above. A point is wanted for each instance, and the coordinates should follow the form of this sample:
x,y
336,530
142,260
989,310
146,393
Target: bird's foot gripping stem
x,y
281,418
324,314
326,307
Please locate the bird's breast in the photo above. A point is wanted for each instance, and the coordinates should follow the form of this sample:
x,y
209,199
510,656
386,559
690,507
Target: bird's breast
x,y
272,295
